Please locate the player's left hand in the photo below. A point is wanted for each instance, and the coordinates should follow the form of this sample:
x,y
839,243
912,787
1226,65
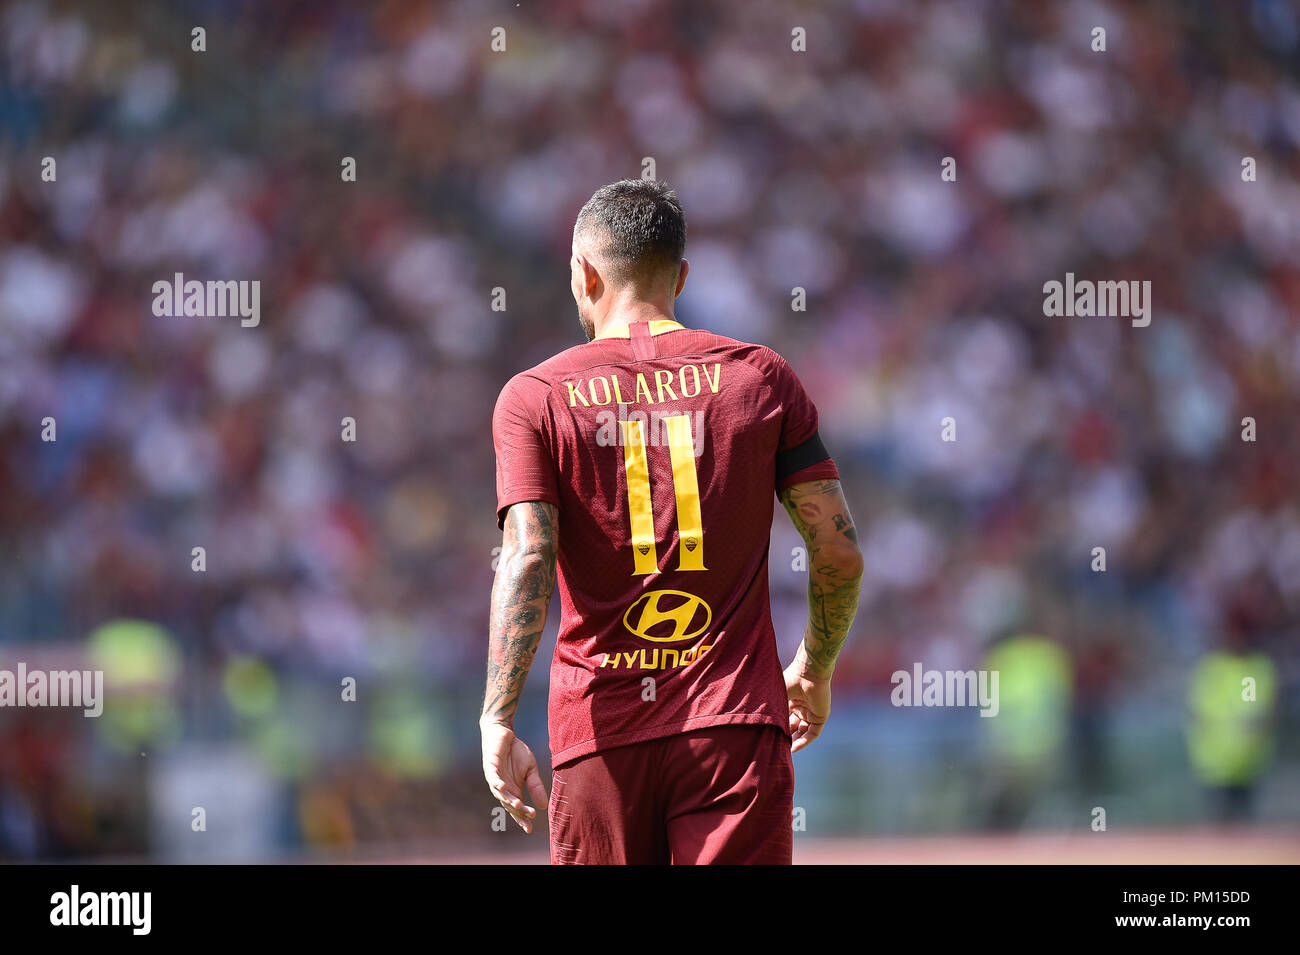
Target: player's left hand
x,y
509,767
809,704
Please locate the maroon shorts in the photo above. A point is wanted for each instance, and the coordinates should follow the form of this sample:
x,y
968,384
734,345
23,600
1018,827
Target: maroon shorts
x,y
722,795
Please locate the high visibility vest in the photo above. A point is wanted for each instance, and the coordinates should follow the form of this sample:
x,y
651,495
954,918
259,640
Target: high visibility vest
x,y
141,664
1232,698
1035,680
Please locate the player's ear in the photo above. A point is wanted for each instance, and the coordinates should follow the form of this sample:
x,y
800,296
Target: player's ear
x,y
575,275
681,277
590,277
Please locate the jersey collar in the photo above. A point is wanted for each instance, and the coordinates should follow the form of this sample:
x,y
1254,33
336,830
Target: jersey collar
x,y
656,327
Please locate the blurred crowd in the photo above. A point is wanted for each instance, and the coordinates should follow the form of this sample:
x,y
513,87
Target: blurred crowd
x,y
816,170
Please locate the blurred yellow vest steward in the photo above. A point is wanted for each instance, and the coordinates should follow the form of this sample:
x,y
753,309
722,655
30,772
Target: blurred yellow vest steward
x,y
1232,699
1036,681
141,665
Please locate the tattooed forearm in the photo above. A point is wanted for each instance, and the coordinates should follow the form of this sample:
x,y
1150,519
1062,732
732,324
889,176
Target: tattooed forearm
x,y
520,597
821,516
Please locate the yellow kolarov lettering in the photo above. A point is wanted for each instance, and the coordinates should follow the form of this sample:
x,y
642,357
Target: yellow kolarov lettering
x,y
610,388
695,376
575,396
591,387
663,381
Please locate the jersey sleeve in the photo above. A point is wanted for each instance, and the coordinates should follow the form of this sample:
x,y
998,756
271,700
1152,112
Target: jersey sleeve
x,y
525,467
801,455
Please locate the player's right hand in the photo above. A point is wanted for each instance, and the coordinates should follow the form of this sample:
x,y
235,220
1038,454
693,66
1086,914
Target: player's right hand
x,y
810,705
509,766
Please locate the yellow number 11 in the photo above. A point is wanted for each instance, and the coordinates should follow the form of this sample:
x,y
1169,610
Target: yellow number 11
x,y
686,488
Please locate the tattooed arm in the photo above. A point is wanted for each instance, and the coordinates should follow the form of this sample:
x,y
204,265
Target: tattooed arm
x,y
821,515
520,597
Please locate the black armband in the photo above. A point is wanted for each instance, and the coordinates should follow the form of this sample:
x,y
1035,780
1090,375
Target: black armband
x,y
801,456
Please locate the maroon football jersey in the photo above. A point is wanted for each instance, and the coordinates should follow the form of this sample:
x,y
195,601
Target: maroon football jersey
x,y
662,448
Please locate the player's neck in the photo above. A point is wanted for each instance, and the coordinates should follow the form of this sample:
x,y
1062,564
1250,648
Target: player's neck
x,y
628,311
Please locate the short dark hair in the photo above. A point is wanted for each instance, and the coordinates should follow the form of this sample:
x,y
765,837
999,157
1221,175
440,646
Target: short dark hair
x,y
638,226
